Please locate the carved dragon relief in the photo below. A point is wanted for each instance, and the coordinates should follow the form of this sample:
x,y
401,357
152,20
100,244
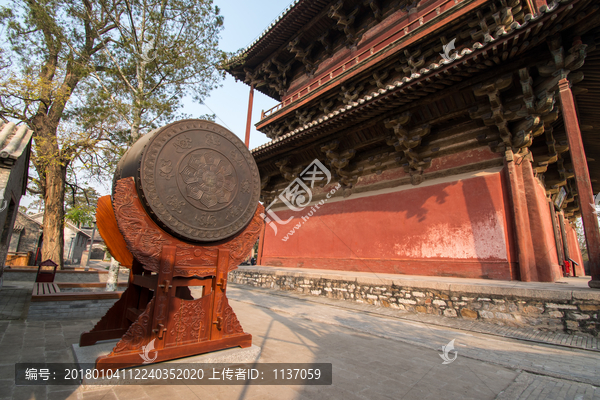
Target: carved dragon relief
x,y
139,233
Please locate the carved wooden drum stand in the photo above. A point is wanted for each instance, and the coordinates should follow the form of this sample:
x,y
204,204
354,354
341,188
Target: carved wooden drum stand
x,y
184,213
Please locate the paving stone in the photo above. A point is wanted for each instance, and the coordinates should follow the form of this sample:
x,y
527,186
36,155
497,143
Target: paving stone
x,y
29,392
103,394
64,395
535,387
526,356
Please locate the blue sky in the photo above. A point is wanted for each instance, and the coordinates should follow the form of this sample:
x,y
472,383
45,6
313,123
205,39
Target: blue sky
x,y
244,21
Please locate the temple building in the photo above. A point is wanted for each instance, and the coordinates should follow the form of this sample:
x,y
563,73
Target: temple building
x,y
441,137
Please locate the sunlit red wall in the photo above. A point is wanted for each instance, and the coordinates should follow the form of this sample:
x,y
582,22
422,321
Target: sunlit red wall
x,y
459,228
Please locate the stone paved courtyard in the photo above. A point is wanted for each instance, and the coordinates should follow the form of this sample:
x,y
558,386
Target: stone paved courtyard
x,y
374,356
13,301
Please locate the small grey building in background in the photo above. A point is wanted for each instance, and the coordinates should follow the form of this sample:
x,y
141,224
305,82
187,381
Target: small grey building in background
x,y
15,147
76,240
98,247
25,242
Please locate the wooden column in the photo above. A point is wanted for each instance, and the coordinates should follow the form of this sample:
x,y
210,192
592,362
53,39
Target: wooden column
x,y
558,238
582,180
261,243
563,231
521,223
546,267
249,119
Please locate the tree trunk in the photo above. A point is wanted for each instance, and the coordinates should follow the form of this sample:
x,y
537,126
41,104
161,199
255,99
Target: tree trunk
x,y
54,213
137,120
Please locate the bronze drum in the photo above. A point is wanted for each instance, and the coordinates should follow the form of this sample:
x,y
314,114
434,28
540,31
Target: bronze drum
x,y
196,179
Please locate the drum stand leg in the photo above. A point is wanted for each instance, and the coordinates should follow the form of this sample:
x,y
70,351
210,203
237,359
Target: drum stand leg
x,y
171,327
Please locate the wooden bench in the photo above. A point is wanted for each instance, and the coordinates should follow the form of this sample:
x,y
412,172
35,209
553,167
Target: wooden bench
x,y
45,288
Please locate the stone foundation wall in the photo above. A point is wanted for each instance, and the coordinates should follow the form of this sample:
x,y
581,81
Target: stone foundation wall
x,y
62,310
546,310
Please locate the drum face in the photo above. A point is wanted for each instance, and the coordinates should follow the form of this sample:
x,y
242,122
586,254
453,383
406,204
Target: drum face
x,y
196,179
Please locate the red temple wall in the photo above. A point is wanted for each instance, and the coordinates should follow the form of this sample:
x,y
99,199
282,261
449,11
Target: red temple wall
x,y
454,228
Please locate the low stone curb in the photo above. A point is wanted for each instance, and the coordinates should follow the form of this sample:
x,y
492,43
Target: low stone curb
x,y
372,303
